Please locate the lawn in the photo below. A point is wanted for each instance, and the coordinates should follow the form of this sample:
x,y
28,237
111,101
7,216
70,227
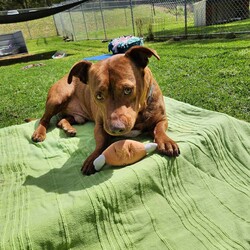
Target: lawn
x,y
212,74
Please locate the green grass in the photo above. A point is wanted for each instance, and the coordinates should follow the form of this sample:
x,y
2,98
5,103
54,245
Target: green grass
x,y
212,74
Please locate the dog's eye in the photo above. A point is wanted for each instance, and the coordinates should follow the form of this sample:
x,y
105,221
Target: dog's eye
x,y
99,96
127,91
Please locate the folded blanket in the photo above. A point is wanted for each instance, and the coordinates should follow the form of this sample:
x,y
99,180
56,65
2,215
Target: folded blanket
x,y
200,200
97,58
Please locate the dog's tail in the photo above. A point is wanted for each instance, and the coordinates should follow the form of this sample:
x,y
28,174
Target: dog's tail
x,y
30,119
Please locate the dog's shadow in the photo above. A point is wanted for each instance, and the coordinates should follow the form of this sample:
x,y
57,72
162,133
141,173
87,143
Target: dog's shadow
x,y
68,177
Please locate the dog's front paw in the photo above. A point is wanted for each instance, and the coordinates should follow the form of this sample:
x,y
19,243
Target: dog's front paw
x,y
39,135
88,166
168,147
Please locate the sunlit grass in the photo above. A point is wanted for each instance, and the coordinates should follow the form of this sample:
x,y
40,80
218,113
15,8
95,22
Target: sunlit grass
x,y
212,74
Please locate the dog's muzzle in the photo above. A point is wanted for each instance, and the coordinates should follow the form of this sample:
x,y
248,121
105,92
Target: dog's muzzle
x,y
117,127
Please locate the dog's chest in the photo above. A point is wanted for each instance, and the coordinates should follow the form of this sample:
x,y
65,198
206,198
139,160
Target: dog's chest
x,y
133,133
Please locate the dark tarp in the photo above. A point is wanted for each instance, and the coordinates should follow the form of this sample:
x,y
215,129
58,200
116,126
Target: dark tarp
x,y
27,15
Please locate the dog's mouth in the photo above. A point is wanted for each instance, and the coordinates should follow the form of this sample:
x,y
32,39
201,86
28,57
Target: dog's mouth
x,y
117,131
130,134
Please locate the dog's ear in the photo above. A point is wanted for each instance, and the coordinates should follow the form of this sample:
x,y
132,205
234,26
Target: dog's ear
x,y
80,70
140,55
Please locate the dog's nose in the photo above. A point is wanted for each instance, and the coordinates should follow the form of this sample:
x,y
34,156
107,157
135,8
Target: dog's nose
x,y
117,128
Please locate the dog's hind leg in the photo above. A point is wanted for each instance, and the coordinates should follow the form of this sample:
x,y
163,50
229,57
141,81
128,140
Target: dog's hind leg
x,y
65,125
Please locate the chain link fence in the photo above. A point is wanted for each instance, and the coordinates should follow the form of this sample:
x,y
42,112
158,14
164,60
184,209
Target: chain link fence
x,y
100,19
40,28
150,19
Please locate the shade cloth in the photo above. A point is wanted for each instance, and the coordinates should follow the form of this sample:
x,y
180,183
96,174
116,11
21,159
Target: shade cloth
x,y
32,14
199,200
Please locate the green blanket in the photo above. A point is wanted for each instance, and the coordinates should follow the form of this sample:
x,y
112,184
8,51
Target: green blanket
x,y
200,200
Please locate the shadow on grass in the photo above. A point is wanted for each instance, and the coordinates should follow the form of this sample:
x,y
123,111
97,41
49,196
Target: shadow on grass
x,y
20,58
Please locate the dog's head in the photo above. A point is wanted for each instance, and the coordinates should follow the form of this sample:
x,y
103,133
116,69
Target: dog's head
x,y
119,87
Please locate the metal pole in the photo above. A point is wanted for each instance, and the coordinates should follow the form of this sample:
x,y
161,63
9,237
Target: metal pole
x,y
57,31
62,23
176,12
153,6
185,12
84,20
96,26
132,16
126,20
27,25
73,29
103,22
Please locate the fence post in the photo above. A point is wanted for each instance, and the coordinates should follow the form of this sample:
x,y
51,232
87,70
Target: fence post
x,y
57,31
94,13
185,13
28,28
73,28
103,23
84,20
62,22
132,16
126,19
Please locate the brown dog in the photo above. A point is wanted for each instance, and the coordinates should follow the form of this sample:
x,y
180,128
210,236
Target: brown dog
x,y
119,94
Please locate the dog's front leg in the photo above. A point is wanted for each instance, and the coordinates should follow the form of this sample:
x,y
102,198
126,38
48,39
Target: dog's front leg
x,y
165,144
40,132
102,142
